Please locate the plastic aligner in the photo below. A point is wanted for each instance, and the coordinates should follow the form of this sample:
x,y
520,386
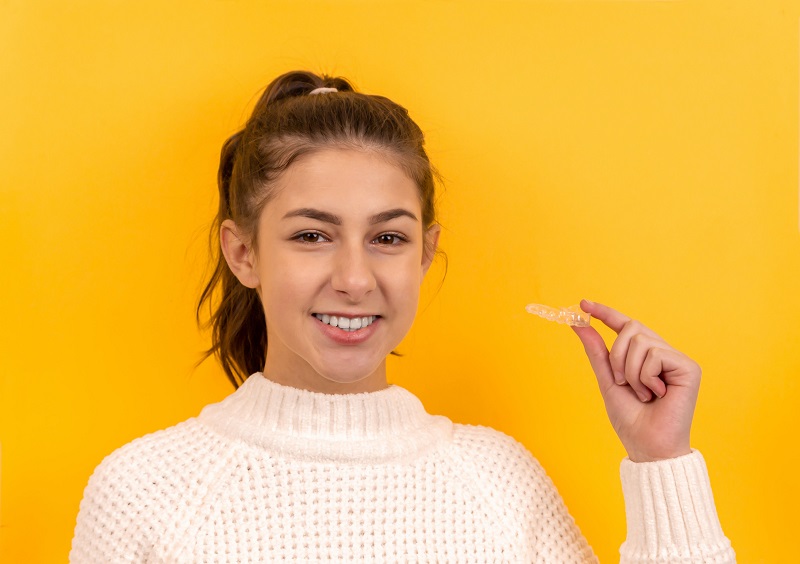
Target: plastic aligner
x,y
572,315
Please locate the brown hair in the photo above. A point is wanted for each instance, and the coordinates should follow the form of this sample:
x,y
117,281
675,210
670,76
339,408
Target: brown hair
x,y
287,123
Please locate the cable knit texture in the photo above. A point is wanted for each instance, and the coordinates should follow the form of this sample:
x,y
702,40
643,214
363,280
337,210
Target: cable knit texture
x,y
279,473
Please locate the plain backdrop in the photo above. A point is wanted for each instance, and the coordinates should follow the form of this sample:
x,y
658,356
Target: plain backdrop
x,y
643,154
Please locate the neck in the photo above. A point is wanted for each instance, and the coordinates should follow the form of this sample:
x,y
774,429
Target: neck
x,y
306,378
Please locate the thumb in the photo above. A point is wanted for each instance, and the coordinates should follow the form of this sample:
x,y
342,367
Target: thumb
x,y
597,352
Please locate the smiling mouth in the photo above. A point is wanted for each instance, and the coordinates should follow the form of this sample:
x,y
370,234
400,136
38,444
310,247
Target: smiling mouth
x,y
347,323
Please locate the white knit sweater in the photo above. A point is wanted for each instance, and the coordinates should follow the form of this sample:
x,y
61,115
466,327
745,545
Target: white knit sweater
x,y
278,473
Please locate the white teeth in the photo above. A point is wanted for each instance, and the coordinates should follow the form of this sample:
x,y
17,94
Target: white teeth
x,y
345,323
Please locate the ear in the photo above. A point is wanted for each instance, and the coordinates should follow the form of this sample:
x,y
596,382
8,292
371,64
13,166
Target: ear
x,y
430,245
237,254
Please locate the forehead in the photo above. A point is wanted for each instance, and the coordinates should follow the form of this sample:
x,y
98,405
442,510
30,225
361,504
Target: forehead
x,y
345,180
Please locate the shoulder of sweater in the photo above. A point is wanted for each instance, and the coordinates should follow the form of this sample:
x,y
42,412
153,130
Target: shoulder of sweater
x,y
131,488
508,474
501,459
158,458
489,445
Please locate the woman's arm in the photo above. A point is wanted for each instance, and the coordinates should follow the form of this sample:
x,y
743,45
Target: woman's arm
x,y
650,392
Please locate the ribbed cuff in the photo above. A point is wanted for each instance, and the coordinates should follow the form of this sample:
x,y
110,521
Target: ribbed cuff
x,y
671,513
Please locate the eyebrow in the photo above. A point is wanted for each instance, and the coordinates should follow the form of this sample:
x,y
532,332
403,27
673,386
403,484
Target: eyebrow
x,y
327,217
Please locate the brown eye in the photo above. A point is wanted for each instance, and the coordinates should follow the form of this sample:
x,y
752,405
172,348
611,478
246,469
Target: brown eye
x,y
310,237
389,239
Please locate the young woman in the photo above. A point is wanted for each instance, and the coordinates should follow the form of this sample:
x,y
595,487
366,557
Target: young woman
x,y
327,227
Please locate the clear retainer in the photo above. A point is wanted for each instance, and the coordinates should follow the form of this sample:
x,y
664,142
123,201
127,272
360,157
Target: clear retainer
x,y
572,315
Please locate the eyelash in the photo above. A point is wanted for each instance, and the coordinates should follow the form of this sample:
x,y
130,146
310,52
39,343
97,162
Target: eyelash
x,y
397,237
300,238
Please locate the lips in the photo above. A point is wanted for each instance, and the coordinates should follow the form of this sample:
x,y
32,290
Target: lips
x,y
349,335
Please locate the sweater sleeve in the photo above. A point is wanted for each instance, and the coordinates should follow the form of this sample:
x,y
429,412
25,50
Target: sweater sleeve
x,y
669,506
671,513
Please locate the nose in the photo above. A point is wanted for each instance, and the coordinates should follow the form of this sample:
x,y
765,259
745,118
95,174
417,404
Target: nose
x,y
353,273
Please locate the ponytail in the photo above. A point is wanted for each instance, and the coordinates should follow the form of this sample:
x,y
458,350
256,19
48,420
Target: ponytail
x,y
238,327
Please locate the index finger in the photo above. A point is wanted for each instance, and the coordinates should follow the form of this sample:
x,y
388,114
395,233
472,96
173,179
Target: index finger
x,y
611,317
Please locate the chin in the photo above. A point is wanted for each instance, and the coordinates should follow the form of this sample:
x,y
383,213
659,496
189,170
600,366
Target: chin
x,y
346,377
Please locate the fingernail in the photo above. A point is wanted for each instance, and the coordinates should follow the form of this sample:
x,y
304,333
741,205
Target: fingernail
x,y
642,396
619,378
588,301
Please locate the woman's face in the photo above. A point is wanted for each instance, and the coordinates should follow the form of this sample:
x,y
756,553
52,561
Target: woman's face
x,y
341,238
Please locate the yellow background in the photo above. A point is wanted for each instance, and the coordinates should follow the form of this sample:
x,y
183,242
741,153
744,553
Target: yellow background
x,y
642,154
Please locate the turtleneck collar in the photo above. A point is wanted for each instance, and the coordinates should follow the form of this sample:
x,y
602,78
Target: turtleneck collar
x,y
381,426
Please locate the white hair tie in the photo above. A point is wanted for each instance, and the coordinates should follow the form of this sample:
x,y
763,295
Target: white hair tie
x,y
322,90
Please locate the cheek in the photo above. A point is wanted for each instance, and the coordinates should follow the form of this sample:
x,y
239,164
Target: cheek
x,y
404,281
287,288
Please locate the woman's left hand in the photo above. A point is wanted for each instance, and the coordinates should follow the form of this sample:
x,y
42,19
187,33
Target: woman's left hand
x,y
649,388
